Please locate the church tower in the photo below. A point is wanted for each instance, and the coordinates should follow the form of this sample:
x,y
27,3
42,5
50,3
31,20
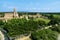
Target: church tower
x,y
15,15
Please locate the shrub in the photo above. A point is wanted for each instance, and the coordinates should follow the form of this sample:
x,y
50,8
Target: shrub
x,y
45,34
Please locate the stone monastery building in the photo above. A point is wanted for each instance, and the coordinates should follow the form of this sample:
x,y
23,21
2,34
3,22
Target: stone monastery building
x,y
9,15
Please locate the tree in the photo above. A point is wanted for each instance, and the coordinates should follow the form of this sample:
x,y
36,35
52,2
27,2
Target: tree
x,y
45,34
41,23
56,28
1,23
20,26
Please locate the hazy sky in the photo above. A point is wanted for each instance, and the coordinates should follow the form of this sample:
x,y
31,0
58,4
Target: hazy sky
x,y
30,5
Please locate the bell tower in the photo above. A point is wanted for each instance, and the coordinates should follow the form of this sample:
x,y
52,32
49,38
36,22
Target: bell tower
x,y
15,15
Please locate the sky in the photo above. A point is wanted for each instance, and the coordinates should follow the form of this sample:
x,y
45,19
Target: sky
x,y
30,5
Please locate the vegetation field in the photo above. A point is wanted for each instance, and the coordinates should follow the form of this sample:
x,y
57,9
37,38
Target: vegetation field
x,y
19,26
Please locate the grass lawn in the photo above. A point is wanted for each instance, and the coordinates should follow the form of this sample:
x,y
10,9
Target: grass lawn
x,y
42,19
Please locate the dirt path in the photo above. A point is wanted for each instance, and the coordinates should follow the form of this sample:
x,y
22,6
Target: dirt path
x,y
59,37
1,36
24,38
